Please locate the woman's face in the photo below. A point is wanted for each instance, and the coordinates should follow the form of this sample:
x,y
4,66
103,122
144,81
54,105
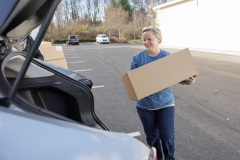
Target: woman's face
x,y
150,41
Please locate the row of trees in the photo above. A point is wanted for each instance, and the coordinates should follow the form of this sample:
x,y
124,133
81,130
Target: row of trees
x,y
87,18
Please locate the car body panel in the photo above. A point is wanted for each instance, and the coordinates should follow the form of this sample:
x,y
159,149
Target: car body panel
x,y
74,75
28,136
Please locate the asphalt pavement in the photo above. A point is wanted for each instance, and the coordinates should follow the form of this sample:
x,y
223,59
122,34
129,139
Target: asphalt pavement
x,y
207,118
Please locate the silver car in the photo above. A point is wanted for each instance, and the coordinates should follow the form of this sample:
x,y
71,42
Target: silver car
x,y
44,112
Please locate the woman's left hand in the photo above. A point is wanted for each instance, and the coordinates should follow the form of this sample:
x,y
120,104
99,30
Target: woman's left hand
x,y
189,81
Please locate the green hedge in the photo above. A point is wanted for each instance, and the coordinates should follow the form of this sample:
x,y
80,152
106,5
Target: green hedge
x,y
87,40
59,41
80,40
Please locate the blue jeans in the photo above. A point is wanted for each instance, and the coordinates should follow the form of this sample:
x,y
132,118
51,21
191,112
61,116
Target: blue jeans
x,y
159,129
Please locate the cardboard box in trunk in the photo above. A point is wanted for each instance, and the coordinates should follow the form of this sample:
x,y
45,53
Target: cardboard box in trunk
x,y
46,44
52,52
155,76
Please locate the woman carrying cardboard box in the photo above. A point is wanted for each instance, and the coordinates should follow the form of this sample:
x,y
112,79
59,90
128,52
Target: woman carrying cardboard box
x,y
156,111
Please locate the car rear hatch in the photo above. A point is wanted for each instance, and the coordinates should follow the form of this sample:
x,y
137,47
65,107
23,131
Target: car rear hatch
x,y
73,39
33,86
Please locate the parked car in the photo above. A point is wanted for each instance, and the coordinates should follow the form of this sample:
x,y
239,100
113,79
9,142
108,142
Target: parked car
x,y
72,39
44,113
102,38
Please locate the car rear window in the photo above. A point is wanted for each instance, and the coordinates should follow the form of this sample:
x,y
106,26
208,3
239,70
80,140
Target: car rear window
x,y
103,36
72,37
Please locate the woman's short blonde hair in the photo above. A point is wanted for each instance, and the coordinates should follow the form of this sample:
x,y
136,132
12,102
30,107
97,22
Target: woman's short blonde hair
x,y
156,32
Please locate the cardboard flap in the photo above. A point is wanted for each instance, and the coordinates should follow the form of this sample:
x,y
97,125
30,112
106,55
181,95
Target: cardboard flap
x,y
128,85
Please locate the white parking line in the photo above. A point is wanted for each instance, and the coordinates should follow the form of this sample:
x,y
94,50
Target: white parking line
x,y
82,70
100,56
98,86
134,134
76,62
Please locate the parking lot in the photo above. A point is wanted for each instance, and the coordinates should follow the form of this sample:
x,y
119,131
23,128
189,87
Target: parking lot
x,y
207,113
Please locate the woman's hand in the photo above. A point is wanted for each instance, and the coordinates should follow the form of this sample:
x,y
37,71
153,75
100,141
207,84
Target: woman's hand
x,y
188,81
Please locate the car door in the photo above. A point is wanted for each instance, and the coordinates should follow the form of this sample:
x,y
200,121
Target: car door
x,y
48,92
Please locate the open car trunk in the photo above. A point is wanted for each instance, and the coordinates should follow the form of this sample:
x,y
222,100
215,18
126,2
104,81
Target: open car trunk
x,y
33,86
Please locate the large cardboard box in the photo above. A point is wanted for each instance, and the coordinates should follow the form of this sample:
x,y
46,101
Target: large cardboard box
x,y
46,44
52,52
155,76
